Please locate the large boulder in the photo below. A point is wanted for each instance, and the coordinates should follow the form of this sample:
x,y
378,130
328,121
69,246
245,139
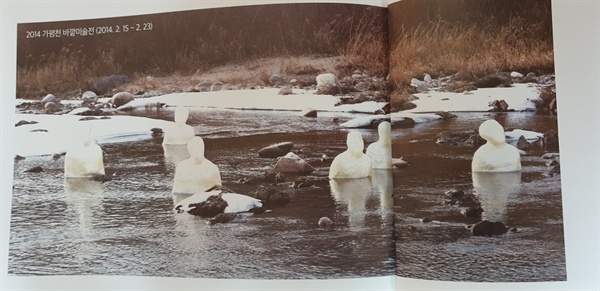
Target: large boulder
x,y
276,150
285,91
488,228
493,80
530,78
217,86
522,143
213,206
89,96
308,112
276,80
121,98
51,107
327,84
420,86
292,163
49,98
271,196
203,87
109,83
463,138
498,106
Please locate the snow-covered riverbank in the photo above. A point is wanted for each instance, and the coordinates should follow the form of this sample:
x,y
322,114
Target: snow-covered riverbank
x,y
53,133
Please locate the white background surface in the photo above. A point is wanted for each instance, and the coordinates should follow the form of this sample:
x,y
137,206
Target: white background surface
x,y
577,53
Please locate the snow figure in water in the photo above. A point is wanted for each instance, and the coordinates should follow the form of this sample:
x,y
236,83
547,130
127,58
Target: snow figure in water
x,y
380,151
84,160
352,163
196,174
179,133
496,155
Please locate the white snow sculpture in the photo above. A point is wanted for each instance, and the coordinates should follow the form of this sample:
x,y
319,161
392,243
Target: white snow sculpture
x,y
84,160
380,151
496,155
179,133
196,174
352,163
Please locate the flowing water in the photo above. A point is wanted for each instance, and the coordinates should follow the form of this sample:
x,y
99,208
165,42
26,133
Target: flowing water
x,y
444,249
127,226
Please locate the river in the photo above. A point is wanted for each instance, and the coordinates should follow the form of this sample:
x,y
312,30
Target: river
x,y
127,226
444,249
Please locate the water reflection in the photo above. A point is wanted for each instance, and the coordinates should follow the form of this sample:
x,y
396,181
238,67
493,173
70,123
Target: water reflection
x,y
494,190
84,196
383,184
352,193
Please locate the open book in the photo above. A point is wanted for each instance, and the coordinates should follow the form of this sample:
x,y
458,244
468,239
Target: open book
x,y
401,146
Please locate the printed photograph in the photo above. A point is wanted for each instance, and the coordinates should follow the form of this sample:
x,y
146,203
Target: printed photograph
x,y
478,185
243,142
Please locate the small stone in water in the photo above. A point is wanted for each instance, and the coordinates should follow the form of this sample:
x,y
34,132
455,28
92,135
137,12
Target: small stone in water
x,y
37,169
325,222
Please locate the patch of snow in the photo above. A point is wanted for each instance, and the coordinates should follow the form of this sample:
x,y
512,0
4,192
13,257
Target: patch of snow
x,y
516,75
264,99
530,136
417,117
62,131
520,97
363,121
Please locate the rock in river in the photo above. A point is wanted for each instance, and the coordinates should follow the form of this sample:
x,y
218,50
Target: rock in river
x,y
487,228
121,98
292,163
276,150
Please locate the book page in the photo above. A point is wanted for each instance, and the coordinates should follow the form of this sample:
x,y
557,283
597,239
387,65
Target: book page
x,y
480,194
172,143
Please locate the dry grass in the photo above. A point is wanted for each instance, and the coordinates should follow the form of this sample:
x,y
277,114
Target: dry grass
x,y
295,67
177,45
445,49
60,73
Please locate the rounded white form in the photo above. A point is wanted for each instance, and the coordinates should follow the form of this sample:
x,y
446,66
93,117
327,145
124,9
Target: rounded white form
x,y
380,151
196,174
85,159
180,132
496,155
352,163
